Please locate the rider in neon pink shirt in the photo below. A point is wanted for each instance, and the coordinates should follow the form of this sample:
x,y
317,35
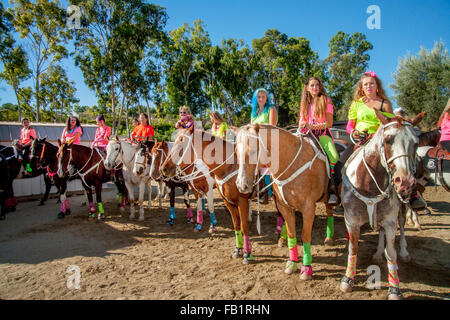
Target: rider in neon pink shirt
x,y
102,134
72,132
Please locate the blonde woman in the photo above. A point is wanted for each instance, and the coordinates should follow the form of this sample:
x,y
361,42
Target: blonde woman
x,y
186,120
219,127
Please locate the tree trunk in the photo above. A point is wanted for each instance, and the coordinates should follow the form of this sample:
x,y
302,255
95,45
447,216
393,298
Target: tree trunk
x,y
18,103
121,109
113,106
126,120
148,112
37,99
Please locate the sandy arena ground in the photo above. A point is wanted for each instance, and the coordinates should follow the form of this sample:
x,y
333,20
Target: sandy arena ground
x,y
126,259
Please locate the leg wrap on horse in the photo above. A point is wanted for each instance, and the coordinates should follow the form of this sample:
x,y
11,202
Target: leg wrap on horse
x,y
100,208
247,245
267,182
307,258
122,201
351,267
330,227
119,198
63,206
172,213
293,249
213,219
283,233
189,213
199,220
394,280
203,205
91,207
280,222
239,239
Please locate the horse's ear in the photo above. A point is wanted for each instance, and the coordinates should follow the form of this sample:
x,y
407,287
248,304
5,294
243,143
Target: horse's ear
x,y
418,118
384,120
117,137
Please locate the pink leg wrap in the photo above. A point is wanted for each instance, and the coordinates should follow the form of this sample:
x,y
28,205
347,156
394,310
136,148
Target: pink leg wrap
x,y
122,203
293,253
247,245
189,213
91,207
280,222
307,269
200,217
394,280
63,206
351,267
66,202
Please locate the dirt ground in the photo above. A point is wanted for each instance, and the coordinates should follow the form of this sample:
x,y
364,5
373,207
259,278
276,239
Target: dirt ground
x,y
126,259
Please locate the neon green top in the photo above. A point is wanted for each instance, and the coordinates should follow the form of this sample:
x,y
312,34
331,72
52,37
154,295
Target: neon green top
x,y
366,119
263,118
219,131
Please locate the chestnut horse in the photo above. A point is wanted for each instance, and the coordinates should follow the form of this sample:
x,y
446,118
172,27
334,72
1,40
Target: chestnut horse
x,y
377,182
299,171
87,164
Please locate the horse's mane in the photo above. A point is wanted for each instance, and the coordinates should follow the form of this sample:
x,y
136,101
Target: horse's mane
x,y
429,138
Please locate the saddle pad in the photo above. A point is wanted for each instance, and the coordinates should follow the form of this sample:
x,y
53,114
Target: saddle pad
x,y
439,153
430,162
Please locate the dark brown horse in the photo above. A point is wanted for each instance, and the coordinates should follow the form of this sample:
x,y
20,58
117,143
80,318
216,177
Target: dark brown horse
x,y
87,164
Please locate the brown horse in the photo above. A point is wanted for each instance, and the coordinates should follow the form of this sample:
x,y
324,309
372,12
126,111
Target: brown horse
x,y
219,156
87,163
300,181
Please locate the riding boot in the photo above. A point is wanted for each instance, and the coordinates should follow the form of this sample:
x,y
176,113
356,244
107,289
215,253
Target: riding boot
x,y
333,198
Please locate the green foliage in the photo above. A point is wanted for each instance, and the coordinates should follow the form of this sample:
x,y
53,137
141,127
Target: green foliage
x,y
422,83
347,61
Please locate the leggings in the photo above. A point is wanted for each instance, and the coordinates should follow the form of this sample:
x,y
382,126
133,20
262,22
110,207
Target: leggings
x,y
446,145
328,145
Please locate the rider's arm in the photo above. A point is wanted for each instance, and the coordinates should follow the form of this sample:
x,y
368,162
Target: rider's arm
x,y
273,116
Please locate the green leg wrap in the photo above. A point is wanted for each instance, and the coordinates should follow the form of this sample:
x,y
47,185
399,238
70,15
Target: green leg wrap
x,y
100,208
283,233
330,227
239,239
307,258
119,198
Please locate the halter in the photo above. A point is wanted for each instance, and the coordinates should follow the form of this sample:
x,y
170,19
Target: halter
x,y
372,201
117,165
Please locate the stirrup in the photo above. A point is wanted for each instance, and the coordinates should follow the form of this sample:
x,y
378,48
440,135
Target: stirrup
x,y
348,281
170,221
333,199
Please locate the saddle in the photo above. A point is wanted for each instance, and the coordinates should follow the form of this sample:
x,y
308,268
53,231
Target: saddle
x,y
437,160
439,153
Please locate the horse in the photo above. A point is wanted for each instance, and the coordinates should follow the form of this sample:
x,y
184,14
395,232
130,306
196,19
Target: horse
x,y
159,154
121,152
87,164
19,166
377,182
4,173
258,145
223,164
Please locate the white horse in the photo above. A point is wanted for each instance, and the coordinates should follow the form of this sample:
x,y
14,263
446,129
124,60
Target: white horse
x,y
121,152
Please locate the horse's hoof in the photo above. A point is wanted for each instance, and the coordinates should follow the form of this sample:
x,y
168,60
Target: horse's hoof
x,y
68,212
291,267
394,294
198,228
418,227
212,230
248,258
141,219
131,217
237,253
346,285
281,243
306,273
13,209
41,203
406,258
329,242
122,209
427,211
61,215
377,258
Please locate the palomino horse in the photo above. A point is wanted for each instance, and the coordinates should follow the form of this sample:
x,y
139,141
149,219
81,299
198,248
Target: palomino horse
x,y
223,164
159,154
122,152
377,182
18,170
87,164
300,180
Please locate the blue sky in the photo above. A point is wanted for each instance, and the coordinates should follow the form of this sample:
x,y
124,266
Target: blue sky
x,y
405,26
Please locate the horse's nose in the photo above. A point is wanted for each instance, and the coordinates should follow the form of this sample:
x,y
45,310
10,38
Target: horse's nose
x,y
140,171
404,185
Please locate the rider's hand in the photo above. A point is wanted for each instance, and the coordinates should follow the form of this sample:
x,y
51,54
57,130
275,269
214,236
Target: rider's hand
x,y
365,99
302,124
355,134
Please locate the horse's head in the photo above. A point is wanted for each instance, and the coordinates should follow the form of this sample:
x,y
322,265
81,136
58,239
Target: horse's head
x,y
398,145
64,156
38,153
247,148
182,153
113,153
142,159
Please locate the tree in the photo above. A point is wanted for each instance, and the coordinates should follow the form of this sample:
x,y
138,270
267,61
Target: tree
x,y
284,66
57,93
110,43
345,64
42,25
422,83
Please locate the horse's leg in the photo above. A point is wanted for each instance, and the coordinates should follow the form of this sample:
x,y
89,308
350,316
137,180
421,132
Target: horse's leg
x,y
189,216
391,257
404,255
234,212
378,256
347,281
212,215
64,202
130,188
91,202
149,188
243,214
98,196
289,224
48,186
250,210
161,189
141,200
172,206
415,219
308,213
199,225
329,240
280,230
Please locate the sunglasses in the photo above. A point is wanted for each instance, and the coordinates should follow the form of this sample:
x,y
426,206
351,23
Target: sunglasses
x,y
183,112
